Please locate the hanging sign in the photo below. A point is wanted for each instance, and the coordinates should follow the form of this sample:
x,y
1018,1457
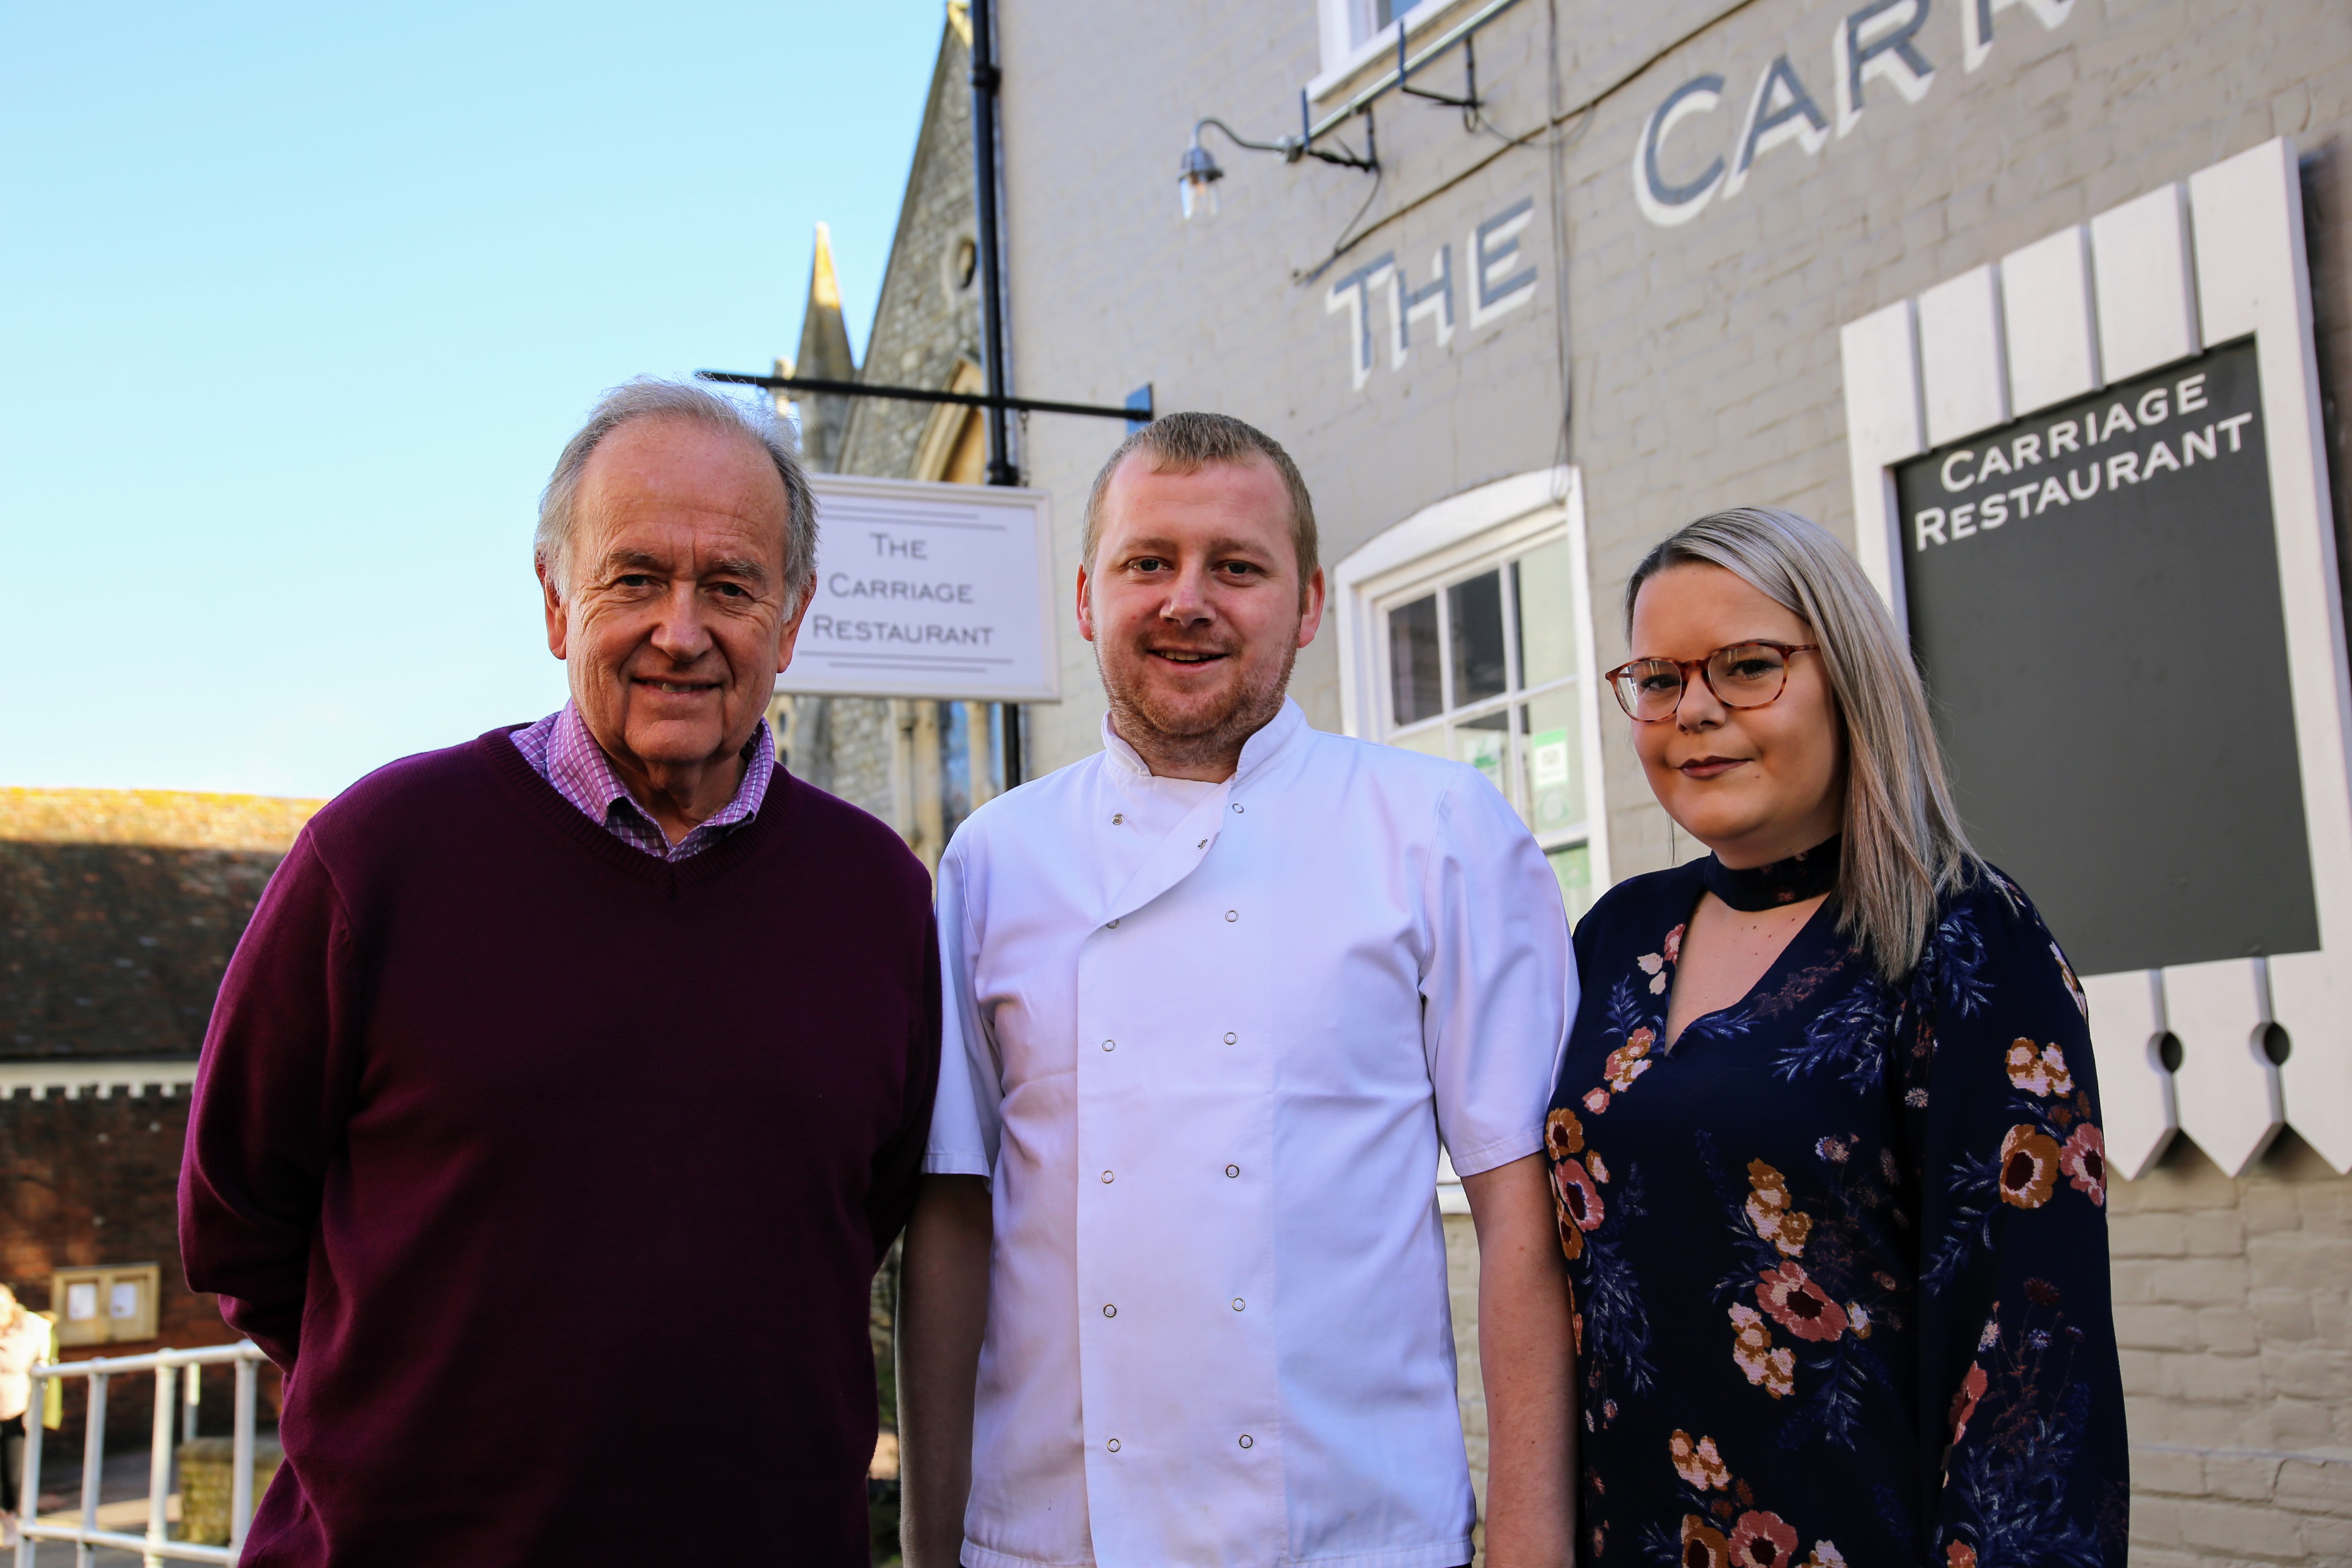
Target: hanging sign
x,y
928,590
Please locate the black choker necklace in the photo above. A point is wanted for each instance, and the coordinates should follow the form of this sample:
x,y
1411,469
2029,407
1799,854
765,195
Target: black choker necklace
x,y
1806,875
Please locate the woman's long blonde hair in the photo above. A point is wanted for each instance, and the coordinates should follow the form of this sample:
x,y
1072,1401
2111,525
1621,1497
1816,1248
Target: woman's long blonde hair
x,y
1904,846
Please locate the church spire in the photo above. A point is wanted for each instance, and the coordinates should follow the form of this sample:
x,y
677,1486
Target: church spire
x,y
824,355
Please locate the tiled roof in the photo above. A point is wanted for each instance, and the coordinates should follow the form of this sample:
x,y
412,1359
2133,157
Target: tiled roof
x,y
119,909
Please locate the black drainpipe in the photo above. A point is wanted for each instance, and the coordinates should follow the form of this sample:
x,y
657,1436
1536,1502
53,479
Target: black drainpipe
x,y
985,79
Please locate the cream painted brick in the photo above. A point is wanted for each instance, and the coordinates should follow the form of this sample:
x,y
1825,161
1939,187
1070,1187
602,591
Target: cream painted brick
x,y
2214,1379
2268,1209
2303,1261
2229,1330
2327,1540
2156,1235
2313,1369
2242,1479
2202,1281
2283,1315
2315,1488
2216,1235
2155,1519
2257,1533
2162,1472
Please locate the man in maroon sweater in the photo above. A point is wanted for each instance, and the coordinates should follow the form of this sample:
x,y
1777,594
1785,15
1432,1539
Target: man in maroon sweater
x,y
604,1006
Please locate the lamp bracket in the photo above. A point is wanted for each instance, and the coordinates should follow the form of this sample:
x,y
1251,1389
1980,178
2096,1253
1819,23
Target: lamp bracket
x,y
1469,103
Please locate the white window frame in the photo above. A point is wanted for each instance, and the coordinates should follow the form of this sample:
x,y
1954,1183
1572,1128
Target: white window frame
x,y
1343,56
1441,544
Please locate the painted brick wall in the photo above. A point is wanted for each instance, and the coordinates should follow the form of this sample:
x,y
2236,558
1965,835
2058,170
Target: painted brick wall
x,y
1705,372
2233,1310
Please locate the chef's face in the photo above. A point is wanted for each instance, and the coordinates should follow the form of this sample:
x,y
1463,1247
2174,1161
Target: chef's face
x,y
1194,602
1754,784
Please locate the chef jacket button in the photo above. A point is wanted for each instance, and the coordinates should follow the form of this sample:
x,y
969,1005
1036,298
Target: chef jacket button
x,y
1109,1310
1231,1038
1107,1178
1232,914
1117,817
1247,1441
1111,1045
1112,1445
1237,1303
1237,805
1114,925
1203,845
1232,1170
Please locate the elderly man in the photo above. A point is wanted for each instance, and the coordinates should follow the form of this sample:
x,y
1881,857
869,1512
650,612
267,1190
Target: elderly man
x,y
1213,997
569,1083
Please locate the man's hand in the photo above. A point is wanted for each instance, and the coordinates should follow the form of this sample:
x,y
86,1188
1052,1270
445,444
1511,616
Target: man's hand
x,y
1529,1366
942,1311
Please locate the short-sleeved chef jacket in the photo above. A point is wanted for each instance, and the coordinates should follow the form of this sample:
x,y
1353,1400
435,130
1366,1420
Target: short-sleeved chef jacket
x,y
1204,1039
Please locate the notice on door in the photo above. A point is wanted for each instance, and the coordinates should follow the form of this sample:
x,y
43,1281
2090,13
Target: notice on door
x,y
927,590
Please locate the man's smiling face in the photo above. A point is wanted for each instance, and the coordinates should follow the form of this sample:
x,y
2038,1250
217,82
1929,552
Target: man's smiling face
x,y
674,622
1195,608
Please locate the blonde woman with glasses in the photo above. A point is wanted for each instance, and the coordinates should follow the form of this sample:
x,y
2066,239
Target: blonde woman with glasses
x,y
1826,1144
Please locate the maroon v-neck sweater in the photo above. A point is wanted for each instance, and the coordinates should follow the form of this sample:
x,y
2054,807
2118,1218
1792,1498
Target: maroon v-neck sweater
x,y
556,1175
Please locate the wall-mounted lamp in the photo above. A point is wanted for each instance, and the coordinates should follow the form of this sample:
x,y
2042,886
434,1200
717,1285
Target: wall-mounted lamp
x,y
1197,175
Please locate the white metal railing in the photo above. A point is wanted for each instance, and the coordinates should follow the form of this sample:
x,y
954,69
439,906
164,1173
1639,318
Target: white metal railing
x,y
169,1367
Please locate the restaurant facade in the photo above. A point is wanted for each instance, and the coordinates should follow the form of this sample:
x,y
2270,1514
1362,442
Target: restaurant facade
x,y
1897,265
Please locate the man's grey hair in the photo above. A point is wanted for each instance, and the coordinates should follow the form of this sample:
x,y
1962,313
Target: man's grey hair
x,y
650,398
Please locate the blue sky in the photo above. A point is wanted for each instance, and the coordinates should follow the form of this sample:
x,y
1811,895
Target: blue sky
x,y
298,303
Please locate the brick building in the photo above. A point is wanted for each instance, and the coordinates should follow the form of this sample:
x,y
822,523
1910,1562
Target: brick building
x,y
1714,252
119,911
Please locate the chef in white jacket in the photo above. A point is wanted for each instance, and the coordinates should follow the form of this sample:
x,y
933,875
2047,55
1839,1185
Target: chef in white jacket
x,y
1175,1289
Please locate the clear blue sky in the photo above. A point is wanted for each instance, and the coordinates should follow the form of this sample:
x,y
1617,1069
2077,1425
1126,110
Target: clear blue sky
x,y
299,302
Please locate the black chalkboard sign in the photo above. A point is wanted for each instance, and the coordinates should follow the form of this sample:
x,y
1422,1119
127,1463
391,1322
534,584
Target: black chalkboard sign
x,y
2093,596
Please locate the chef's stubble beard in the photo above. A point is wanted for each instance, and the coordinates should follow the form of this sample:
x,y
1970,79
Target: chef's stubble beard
x,y
1254,706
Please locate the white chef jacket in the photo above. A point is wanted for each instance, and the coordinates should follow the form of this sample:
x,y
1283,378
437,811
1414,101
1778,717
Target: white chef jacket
x,y
1203,1039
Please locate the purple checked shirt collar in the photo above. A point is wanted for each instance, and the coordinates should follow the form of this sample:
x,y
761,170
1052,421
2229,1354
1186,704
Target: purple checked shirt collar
x,y
560,750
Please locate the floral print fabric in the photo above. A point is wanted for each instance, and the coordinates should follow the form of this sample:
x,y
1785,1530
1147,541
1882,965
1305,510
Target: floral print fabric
x,y
1840,1255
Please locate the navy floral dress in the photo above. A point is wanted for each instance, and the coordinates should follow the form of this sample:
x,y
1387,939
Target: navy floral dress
x,y
1840,1256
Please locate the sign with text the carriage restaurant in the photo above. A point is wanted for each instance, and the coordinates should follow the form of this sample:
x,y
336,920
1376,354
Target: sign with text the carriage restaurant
x,y
927,590
2095,597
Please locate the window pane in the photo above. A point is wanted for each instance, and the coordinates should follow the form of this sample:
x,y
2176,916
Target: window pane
x,y
1485,744
1554,751
1539,580
1476,607
1573,867
1413,661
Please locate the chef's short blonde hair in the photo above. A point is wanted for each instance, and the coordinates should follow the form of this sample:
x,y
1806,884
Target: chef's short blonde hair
x,y
1187,443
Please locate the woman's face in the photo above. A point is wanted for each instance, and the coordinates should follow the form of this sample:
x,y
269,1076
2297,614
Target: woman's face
x,y
1754,784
